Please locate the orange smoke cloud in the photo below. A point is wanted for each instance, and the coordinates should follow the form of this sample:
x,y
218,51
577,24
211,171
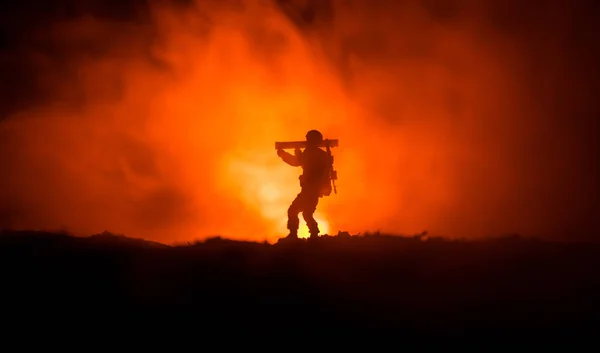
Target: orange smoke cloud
x,y
166,129
177,144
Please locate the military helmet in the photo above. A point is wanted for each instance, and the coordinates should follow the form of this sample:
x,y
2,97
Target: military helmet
x,y
314,136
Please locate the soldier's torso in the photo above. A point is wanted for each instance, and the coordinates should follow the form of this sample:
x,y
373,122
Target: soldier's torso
x,y
315,167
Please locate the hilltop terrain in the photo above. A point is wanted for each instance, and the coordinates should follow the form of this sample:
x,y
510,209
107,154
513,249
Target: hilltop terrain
x,y
408,284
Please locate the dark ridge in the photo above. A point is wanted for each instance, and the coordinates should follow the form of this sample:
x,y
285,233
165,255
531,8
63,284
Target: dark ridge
x,y
510,285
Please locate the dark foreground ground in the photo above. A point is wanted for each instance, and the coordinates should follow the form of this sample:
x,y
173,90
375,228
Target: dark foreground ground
x,y
503,286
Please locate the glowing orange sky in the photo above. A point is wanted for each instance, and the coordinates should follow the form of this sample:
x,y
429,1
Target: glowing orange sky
x,y
174,140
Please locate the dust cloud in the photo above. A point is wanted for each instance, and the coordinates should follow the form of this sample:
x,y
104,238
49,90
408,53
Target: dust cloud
x,y
463,118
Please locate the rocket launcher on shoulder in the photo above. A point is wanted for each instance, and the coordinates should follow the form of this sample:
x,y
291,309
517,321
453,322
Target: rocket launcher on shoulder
x,y
326,143
302,144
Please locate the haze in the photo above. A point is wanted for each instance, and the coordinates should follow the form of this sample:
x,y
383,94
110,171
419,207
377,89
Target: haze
x,y
465,118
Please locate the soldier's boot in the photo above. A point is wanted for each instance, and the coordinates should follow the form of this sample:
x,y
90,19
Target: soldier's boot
x,y
292,226
293,234
292,237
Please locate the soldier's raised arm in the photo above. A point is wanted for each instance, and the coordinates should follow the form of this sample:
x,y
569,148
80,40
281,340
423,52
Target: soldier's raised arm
x,y
291,159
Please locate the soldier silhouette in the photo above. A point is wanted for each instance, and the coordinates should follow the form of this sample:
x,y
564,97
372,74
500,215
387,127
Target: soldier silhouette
x,y
314,182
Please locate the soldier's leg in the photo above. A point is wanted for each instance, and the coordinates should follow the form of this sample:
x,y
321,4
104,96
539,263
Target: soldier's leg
x,y
308,211
293,212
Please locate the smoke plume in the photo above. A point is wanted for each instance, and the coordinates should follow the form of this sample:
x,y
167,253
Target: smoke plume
x,y
464,118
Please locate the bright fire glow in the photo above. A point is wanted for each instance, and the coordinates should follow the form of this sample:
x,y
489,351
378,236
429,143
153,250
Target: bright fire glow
x,y
323,227
164,128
